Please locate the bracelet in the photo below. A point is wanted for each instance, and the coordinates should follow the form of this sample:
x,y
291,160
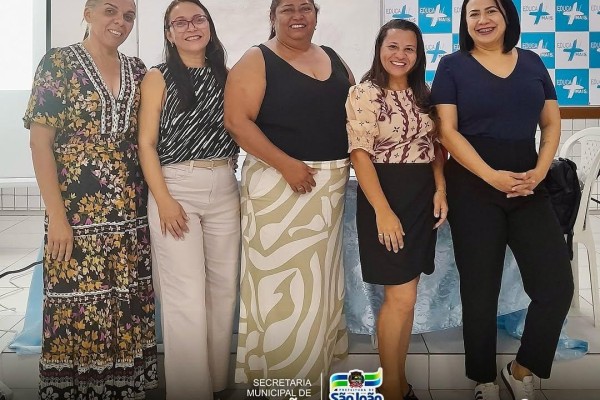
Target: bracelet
x,y
441,190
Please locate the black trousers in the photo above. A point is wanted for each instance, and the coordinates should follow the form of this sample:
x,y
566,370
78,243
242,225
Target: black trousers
x,y
483,222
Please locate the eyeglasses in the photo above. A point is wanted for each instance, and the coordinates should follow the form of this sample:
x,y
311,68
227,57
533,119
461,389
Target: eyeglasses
x,y
182,25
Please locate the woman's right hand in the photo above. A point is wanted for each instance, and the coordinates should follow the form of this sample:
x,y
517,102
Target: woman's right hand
x,y
172,218
60,239
299,176
506,181
389,230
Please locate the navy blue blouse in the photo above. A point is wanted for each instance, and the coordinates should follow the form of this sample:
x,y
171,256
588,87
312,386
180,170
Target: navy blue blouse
x,y
489,106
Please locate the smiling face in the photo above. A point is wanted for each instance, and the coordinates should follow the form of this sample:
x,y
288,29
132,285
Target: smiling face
x,y
110,22
295,19
398,56
191,36
485,23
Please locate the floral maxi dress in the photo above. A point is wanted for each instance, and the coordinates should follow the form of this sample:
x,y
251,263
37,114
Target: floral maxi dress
x,y
98,318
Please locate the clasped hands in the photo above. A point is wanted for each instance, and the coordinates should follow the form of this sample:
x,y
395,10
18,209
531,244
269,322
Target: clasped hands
x,y
516,184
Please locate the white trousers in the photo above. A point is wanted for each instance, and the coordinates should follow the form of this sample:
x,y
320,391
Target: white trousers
x,y
196,279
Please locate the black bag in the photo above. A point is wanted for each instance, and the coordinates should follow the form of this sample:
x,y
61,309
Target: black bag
x,y
564,189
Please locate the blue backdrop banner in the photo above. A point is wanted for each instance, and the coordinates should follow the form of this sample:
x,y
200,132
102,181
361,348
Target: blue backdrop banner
x,y
564,33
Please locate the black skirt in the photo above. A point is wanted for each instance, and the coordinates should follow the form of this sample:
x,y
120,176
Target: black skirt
x,y
409,189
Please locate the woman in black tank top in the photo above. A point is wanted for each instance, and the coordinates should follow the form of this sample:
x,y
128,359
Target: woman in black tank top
x,y
284,105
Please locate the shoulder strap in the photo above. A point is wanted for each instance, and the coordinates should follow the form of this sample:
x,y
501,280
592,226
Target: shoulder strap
x,y
336,61
266,52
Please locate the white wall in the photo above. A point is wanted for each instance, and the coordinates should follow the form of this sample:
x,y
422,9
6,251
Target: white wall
x,y
348,26
15,158
15,161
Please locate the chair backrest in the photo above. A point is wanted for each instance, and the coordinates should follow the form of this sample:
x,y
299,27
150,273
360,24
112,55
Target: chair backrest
x,y
588,165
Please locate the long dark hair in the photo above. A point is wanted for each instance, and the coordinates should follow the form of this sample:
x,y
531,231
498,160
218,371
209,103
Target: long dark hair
x,y
513,28
416,77
215,59
274,5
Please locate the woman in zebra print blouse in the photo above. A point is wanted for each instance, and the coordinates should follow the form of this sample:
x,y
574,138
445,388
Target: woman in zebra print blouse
x,y
194,206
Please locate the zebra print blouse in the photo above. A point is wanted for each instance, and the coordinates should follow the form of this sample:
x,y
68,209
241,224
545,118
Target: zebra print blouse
x,y
199,133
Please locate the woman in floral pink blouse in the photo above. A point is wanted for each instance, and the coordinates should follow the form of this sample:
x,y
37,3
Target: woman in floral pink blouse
x,y
401,196
98,314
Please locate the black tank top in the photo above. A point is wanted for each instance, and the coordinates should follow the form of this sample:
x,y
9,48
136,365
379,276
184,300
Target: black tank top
x,y
303,116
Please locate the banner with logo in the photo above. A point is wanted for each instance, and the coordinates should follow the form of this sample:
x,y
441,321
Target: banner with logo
x,y
564,33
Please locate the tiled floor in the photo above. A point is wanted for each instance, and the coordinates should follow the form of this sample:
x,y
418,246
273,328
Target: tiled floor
x,y
435,360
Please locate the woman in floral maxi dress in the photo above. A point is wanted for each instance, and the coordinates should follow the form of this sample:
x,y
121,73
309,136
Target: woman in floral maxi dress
x,y
98,318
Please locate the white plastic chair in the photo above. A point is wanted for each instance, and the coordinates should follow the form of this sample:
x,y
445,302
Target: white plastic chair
x,y
587,168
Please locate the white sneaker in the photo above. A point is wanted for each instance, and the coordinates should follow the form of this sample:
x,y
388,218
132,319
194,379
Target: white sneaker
x,y
487,391
519,390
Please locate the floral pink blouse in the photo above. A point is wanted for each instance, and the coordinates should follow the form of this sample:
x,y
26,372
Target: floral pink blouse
x,y
388,126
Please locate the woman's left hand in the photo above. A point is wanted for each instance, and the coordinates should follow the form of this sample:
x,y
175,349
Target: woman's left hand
x,y
440,207
533,177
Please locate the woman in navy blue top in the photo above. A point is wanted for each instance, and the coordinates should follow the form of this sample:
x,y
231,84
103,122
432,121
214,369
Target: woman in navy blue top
x,y
490,97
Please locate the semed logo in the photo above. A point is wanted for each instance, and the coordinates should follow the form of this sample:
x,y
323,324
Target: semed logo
x,y
435,51
540,48
403,13
542,44
436,46
435,16
538,13
572,86
571,49
571,15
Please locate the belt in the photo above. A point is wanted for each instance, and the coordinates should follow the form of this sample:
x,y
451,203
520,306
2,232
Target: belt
x,y
207,163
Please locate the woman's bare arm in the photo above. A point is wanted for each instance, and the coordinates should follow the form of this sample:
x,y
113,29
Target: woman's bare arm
x,y
60,233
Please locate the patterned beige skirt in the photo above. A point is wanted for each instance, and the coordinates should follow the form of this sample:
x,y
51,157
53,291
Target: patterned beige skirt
x,y
292,322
